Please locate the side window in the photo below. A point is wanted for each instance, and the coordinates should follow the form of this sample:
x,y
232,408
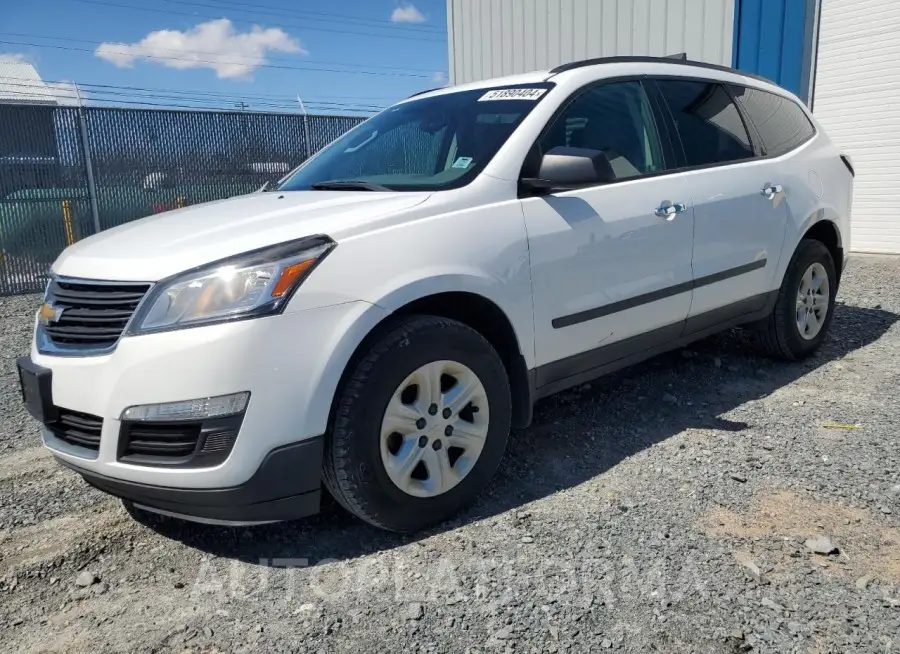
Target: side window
x,y
709,123
615,118
781,123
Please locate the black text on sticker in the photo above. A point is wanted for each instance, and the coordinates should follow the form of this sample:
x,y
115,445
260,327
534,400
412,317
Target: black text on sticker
x,y
512,94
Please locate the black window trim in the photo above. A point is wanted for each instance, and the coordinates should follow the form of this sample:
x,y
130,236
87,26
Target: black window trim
x,y
667,147
755,141
670,139
746,113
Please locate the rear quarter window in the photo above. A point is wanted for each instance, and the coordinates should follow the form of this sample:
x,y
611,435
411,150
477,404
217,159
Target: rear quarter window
x,y
781,123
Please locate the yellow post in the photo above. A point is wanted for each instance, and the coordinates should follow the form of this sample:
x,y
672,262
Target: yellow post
x,y
180,202
67,221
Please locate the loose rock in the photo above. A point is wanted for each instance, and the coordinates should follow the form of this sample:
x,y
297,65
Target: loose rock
x,y
86,578
821,545
771,604
415,611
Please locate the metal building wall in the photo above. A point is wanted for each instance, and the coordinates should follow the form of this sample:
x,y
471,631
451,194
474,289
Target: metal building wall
x,y
490,38
774,39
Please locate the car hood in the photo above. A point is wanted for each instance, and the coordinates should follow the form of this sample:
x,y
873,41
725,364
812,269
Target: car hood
x,y
165,244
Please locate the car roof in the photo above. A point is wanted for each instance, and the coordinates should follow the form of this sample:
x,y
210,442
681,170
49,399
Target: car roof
x,y
673,64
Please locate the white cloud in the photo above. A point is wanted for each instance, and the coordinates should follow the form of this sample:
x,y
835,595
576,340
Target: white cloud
x,y
214,44
440,77
15,57
407,12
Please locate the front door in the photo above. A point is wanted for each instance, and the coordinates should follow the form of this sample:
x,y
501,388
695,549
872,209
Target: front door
x,y
611,264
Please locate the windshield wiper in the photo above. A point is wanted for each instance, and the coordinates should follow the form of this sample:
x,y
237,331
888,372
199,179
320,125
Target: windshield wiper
x,y
348,185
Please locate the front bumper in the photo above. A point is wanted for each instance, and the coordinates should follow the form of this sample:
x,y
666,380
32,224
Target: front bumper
x,y
284,487
291,364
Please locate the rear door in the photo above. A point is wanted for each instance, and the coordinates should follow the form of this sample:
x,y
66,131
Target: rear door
x,y
738,199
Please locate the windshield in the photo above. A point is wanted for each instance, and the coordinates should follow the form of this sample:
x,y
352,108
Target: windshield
x,y
429,144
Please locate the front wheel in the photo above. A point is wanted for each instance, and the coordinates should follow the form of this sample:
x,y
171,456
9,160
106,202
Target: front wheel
x,y
805,304
420,426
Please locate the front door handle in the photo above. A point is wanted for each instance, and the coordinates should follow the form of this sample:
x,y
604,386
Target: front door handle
x,y
771,190
669,210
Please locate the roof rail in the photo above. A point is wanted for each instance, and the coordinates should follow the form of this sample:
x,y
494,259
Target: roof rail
x,y
436,88
680,58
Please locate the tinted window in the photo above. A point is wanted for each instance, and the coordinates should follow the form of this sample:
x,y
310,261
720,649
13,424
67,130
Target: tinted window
x,y
711,128
781,123
616,119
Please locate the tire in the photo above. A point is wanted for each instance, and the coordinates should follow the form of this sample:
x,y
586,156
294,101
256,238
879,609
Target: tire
x,y
356,459
780,335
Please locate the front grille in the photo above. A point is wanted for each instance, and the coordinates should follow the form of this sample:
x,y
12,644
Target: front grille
x,y
81,429
91,315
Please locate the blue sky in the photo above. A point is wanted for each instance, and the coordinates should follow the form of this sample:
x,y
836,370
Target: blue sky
x,y
263,53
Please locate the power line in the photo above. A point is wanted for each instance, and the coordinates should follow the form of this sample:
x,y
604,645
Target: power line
x,y
288,98
104,95
220,62
250,22
284,99
206,105
326,17
206,52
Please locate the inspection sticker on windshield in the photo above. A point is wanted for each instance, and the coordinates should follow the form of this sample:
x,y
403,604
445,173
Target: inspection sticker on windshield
x,y
463,162
513,94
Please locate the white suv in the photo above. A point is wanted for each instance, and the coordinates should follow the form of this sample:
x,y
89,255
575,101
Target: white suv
x,y
382,318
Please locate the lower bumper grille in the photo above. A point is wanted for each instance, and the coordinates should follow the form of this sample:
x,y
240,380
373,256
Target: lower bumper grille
x,y
184,443
165,440
75,428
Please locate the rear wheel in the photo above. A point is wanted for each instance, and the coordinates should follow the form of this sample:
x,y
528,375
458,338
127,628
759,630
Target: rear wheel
x,y
805,304
420,425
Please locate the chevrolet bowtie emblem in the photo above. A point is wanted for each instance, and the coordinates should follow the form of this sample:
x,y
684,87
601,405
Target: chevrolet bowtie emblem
x,y
49,314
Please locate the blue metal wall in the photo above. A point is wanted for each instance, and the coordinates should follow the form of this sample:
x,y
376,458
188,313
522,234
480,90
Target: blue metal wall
x,y
769,38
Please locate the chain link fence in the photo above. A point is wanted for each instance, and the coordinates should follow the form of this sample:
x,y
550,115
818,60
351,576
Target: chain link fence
x,y
67,172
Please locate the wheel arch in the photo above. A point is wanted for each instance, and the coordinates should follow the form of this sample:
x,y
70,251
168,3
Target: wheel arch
x,y
826,232
478,312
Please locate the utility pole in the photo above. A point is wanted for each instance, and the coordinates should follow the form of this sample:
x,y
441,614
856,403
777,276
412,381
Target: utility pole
x,y
88,164
305,127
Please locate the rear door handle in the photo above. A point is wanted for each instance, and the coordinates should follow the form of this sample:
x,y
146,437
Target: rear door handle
x,y
669,210
771,190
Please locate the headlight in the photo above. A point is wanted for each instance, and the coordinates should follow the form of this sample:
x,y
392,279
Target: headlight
x,y
254,284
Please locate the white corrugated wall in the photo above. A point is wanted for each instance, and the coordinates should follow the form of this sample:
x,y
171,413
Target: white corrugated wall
x,y
856,87
492,38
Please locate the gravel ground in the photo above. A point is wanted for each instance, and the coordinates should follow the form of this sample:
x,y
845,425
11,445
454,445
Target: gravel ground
x,y
666,508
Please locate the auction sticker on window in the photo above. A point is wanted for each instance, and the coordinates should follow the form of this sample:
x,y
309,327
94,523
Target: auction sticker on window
x,y
513,94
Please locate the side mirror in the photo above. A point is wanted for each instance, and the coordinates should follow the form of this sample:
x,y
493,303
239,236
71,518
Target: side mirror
x,y
565,169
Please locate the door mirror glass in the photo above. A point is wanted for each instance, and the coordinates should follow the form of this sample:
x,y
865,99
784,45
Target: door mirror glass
x,y
564,168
